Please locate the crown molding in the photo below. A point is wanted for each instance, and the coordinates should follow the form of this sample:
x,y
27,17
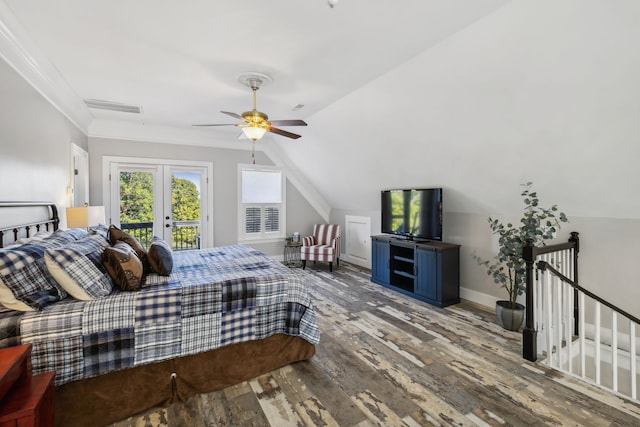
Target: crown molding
x,y
22,54
163,134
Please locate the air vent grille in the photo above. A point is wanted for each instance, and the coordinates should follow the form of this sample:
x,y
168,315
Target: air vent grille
x,y
112,106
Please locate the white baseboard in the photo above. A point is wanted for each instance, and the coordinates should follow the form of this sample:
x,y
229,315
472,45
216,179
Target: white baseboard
x,y
478,297
354,260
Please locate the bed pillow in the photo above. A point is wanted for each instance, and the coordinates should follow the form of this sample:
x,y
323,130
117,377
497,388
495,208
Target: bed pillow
x,y
100,229
39,236
124,266
116,235
61,237
77,267
25,282
160,257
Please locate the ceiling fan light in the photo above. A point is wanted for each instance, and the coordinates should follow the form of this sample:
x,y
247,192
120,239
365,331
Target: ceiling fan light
x,y
254,133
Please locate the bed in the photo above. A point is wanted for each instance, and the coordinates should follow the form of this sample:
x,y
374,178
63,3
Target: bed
x,y
221,316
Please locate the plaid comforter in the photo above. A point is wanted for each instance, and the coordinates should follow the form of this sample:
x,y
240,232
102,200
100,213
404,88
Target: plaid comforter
x,y
214,297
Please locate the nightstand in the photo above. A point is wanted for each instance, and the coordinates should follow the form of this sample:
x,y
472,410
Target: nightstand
x,y
25,400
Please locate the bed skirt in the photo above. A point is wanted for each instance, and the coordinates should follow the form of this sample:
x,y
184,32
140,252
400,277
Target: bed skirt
x,y
118,395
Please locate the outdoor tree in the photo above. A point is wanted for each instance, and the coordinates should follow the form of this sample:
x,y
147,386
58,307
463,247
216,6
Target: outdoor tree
x,y
185,199
136,197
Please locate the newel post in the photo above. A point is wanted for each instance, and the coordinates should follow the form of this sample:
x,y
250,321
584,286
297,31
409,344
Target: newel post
x,y
529,334
576,306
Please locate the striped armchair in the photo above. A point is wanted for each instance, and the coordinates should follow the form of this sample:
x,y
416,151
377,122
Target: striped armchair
x,y
324,245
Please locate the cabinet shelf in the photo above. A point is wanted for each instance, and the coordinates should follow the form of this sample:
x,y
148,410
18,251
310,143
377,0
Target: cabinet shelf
x,y
403,274
403,259
428,271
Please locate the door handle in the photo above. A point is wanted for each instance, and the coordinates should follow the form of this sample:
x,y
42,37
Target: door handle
x,y
167,217
167,225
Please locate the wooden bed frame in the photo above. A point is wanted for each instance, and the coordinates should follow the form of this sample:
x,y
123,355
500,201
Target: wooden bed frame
x,y
118,395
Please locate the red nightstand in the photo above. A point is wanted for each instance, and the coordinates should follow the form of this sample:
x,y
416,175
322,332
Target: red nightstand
x,y
25,400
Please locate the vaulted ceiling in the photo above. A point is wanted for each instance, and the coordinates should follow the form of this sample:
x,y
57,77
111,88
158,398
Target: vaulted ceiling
x,y
179,61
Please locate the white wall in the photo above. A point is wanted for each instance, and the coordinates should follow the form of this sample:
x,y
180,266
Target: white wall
x,y
543,91
35,144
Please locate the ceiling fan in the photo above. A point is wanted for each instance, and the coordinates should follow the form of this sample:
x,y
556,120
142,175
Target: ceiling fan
x,y
256,123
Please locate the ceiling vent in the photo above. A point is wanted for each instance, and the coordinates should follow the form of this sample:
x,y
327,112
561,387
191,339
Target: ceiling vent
x,y
112,106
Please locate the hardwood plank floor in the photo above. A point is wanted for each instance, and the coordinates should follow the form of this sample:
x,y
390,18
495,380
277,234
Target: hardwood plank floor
x,y
389,360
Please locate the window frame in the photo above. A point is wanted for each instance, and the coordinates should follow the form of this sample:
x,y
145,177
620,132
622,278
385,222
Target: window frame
x,y
262,236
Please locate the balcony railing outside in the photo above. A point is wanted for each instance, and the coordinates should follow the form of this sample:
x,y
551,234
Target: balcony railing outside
x,y
185,234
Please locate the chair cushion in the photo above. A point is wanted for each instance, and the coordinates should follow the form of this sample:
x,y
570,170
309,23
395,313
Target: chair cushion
x,y
325,233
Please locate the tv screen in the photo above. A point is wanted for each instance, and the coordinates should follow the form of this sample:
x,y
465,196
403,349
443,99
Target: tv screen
x,y
415,213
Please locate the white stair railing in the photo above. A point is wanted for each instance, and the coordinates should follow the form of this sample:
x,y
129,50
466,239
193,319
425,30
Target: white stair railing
x,y
601,347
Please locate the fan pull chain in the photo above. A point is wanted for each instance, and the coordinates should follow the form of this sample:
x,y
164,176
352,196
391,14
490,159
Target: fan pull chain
x,y
253,152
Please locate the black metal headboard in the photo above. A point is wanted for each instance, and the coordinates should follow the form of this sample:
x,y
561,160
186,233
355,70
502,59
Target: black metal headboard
x,y
38,216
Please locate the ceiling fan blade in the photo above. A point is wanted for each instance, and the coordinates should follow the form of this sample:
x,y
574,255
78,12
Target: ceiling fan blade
x,y
288,122
234,115
284,133
219,124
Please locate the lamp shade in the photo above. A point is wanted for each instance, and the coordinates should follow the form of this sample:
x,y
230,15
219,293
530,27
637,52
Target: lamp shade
x,y
84,217
254,133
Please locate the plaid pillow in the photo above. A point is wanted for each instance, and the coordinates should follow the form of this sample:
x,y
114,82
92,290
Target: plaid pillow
x,y
60,237
25,282
101,229
78,269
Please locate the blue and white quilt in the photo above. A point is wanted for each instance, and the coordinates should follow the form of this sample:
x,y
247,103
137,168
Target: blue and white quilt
x,y
213,297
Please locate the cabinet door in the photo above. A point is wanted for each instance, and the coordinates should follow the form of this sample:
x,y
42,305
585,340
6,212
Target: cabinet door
x,y
380,258
427,274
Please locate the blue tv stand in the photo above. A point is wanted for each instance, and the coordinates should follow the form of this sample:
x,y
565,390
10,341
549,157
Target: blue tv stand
x,y
428,271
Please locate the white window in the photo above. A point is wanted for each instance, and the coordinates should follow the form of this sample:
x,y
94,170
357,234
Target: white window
x,y
261,195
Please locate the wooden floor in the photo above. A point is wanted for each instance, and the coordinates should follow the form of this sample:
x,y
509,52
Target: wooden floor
x,y
389,360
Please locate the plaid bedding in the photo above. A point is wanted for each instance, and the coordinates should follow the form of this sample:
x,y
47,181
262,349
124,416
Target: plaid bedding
x,y
213,297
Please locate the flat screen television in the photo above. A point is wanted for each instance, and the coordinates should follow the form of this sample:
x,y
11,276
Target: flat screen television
x,y
413,213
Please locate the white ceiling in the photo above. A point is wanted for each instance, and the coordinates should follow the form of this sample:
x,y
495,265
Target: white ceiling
x,y
179,60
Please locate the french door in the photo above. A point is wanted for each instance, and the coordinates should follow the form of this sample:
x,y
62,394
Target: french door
x,y
167,200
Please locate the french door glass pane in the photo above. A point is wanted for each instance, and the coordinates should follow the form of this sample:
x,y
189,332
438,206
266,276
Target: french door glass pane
x,y
185,210
136,205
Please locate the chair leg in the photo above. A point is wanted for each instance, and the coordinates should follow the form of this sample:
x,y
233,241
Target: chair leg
x,y
330,267
304,263
338,262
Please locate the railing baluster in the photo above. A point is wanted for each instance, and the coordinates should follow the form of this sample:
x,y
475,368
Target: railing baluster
x,y
185,233
597,341
583,353
548,316
614,349
557,321
633,356
568,325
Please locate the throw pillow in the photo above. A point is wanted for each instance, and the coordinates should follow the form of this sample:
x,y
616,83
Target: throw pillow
x,y
116,235
160,257
124,266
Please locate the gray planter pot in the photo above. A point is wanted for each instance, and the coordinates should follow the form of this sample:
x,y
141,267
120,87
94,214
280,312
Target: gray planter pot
x,y
509,318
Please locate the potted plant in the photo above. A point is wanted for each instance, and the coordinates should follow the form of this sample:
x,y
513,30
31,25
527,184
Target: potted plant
x,y
508,267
